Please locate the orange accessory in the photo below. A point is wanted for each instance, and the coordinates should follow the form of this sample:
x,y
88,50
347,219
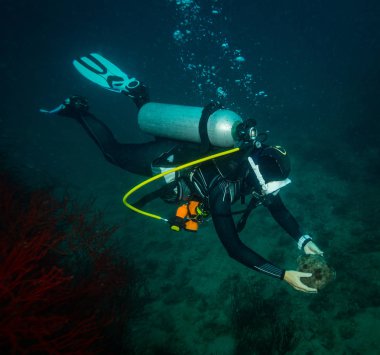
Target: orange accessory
x,y
187,217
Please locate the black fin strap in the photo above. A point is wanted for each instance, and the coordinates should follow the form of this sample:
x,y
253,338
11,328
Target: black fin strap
x,y
206,113
243,220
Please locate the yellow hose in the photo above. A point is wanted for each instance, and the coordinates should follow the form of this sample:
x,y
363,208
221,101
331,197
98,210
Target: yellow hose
x,y
184,166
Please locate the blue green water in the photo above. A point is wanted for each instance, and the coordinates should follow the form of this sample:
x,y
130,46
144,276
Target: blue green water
x,y
306,71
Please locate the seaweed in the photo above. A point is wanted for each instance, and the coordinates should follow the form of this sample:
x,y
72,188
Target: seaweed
x,y
261,325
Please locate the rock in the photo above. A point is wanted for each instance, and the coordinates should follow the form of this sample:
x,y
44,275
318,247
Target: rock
x,y
315,264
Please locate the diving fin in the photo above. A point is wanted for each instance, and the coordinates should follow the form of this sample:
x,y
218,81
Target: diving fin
x,y
102,72
54,110
74,106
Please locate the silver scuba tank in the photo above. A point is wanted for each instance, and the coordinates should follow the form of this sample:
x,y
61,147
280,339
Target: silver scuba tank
x,y
182,123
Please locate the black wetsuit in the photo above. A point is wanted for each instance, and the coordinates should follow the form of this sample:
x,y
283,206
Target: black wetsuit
x,y
221,192
219,189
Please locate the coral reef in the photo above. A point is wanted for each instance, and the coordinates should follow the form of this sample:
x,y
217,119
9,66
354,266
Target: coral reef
x,y
61,282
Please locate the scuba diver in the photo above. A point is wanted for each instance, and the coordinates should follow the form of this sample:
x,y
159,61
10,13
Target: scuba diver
x,y
182,134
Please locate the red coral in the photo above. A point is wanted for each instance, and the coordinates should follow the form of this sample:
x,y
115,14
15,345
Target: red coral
x,y
44,308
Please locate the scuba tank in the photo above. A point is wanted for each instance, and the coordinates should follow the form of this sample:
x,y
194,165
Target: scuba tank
x,y
189,123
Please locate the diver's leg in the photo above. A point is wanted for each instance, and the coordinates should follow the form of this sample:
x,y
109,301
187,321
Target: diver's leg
x,y
135,158
138,158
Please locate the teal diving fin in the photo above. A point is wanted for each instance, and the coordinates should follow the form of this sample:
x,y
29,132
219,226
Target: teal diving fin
x,y
102,72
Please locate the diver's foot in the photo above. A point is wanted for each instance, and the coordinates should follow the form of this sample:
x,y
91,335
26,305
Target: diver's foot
x,y
139,95
74,107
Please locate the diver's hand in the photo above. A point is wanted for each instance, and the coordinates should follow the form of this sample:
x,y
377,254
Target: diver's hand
x,y
293,278
311,248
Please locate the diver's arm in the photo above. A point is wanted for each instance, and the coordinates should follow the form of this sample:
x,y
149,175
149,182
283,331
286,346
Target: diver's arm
x,y
286,220
283,217
225,227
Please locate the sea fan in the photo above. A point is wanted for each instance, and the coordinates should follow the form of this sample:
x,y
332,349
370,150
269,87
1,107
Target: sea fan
x,y
44,307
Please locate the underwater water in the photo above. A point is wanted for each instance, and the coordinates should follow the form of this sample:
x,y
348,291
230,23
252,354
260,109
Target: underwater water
x,y
308,72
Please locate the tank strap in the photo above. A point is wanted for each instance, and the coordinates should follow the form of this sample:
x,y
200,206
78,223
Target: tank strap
x,y
207,111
